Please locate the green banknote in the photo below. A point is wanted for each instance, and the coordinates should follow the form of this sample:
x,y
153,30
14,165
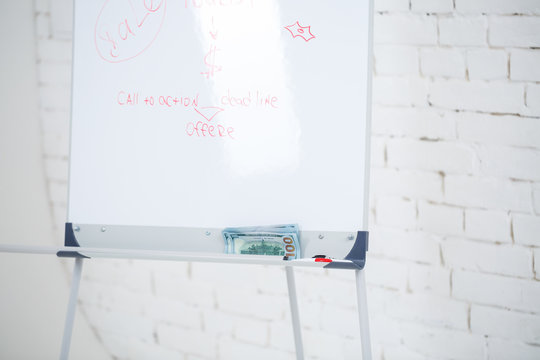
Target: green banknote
x,y
279,240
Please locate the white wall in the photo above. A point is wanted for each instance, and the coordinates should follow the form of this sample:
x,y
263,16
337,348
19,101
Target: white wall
x,y
453,269
34,288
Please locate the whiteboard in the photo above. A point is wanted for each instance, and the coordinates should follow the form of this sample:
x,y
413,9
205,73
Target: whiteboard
x,y
205,114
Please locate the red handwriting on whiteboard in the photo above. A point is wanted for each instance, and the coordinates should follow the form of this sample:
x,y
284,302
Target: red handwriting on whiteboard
x,y
126,28
206,129
198,4
172,101
210,62
250,99
202,129
126,98
210,57
298,30
213,31
208,112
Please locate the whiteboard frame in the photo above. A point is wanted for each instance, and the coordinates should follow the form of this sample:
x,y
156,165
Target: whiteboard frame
x,y
162,255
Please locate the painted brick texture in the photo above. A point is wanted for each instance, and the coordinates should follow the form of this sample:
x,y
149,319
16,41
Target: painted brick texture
x,y
455,209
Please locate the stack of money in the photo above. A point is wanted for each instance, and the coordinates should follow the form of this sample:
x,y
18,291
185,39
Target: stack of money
x,y
278,240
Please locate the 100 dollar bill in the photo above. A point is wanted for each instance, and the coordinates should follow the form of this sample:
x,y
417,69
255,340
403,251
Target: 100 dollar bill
x,y
283,241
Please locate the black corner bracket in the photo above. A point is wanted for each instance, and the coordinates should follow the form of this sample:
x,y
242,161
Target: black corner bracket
x,y
357,255
69,236
71,254
70,240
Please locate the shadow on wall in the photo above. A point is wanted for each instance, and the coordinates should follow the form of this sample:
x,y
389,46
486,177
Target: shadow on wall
x,y
34,289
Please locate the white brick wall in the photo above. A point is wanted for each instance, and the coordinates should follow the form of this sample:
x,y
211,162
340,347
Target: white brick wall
x,y
493,225
427,155
505,324
536,255
430,279
532,100
501,349
455,226
498,7
462,31
443,62
496,290
405,29
414,123
525,65
487,193
514,31
505,130
414,246
434,342
440,219
487,64
385,63
474,95
391,5
526,229
485,257
432,6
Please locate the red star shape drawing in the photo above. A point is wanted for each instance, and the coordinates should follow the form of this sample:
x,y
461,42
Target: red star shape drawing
x,y
298,30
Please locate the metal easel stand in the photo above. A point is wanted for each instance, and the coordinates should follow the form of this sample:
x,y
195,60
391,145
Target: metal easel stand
x,y
72,305
294,313
362,314
355,260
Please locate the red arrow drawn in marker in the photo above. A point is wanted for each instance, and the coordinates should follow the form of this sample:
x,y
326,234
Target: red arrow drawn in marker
x,y
213,31
208,112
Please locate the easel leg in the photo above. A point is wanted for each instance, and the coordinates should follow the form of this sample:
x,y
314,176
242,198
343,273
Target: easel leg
x,y
363,314
72,305
294,313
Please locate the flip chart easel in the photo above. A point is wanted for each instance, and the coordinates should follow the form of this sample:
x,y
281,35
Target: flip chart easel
x,y
189,116
358,254
355,260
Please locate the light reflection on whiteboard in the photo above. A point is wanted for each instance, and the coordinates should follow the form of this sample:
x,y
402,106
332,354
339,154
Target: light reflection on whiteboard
x,y
265,142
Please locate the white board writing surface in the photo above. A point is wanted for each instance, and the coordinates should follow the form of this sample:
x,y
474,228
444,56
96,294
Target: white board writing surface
x,y
216,113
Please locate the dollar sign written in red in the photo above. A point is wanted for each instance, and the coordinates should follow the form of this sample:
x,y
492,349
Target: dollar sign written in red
x,y
210,62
